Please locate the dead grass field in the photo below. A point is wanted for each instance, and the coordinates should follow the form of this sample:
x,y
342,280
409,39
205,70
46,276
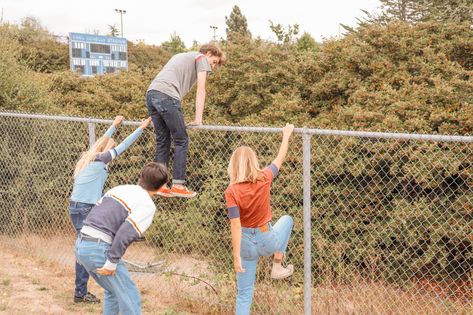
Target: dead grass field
x,y
37,277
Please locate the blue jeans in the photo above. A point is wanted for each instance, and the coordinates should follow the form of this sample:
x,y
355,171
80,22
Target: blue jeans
x,y
168,120
121,294
254,244
78,211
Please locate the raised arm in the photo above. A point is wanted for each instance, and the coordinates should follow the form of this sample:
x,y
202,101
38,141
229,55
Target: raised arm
x,y
132,138
118,120
286,134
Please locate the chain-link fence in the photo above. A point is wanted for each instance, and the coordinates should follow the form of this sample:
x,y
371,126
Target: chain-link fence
x,y
383,222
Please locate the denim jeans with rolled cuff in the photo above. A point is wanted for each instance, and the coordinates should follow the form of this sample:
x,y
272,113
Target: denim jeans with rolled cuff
x,y
255,243
168,121
78,211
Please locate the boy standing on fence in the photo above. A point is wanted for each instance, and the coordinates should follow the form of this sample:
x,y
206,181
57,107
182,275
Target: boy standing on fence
x,y
119,218
163,100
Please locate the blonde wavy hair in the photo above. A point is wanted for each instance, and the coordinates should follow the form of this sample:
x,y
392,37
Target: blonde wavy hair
x,y
102,144
244,166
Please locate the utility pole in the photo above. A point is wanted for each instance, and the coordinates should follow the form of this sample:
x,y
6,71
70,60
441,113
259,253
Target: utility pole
x,y
1,18
121,19
214,28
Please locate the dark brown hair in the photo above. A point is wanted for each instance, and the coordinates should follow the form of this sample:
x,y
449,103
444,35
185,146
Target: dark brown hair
x,y
153,176
213,48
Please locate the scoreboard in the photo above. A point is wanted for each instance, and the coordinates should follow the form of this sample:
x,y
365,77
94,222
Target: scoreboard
x,y
95,54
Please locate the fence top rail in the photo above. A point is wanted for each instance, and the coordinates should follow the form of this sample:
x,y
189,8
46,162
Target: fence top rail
x,y
307,131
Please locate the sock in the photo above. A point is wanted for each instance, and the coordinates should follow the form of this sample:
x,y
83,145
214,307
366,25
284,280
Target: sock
x,y
277,263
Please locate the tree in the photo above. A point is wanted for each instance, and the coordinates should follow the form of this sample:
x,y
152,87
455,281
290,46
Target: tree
x,y
284,35
237,25
447,10
414,11
175,45
306,43
113,30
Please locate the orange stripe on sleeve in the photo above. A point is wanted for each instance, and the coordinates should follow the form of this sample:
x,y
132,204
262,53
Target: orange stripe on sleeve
x,y
122,202
135,226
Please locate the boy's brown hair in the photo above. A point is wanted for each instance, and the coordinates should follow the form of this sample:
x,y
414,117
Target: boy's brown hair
x,y
153,176
213,48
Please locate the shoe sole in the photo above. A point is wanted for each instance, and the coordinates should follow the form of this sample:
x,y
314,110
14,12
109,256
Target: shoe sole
x,y
165,195
183,195
282,277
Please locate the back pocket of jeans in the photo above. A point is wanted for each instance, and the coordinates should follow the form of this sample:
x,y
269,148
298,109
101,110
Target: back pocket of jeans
x,y
247,248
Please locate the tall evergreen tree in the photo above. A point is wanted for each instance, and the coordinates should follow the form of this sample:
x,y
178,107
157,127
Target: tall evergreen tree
x,y
237,25
413,11
400,10
175,44
447,10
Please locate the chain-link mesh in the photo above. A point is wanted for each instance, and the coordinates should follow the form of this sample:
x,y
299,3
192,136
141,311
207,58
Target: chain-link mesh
x,y
391,220
392,226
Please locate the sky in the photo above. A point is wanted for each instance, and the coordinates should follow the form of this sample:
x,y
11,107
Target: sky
x,y
155,21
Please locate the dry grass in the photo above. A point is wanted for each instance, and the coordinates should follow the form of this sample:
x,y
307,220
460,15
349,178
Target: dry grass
x,y
172,295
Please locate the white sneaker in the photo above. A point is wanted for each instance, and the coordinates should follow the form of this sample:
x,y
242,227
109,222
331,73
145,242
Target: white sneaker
x,y
281,272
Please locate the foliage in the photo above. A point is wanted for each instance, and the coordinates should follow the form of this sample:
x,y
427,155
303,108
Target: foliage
x,y
381,209
284,35
175,44
113,30
237,26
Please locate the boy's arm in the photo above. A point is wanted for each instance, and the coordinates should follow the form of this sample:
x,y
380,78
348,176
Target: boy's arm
x,y
200,98
130,230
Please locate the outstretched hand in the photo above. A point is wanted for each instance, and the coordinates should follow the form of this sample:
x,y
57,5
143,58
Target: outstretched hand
x,y
287,130
145,123
118,120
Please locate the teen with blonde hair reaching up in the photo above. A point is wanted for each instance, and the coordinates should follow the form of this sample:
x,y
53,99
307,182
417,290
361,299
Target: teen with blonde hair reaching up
x,y
248,203
90,174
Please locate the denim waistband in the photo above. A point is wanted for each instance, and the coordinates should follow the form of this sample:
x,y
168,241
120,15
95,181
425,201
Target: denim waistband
x,y
88,238
73,203
258,230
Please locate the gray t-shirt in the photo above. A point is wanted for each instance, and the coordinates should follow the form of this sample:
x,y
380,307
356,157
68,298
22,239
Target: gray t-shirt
x,y
180,73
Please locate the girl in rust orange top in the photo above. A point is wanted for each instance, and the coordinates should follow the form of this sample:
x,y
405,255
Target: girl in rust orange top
x,y
249,210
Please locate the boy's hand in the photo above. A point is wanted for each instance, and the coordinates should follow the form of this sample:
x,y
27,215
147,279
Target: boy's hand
x,y
118,120
145,123
194,123
105,272
287,130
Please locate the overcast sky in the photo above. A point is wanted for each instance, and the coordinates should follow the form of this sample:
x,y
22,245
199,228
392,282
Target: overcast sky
x,y
154,21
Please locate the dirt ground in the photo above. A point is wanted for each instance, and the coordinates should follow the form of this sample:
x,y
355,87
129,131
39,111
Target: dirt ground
x,y
37,286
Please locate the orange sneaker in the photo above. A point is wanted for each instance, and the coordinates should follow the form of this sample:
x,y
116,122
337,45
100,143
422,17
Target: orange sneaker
x,y
165,192
182,192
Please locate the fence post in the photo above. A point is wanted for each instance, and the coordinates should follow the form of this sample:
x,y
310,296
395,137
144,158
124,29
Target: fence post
x,y
91,134
307,224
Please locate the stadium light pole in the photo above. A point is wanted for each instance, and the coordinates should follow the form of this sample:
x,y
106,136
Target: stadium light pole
x,y
121,18
214,29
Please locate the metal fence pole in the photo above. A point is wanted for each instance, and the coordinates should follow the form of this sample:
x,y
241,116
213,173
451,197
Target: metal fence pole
x,y
307,224
91,134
